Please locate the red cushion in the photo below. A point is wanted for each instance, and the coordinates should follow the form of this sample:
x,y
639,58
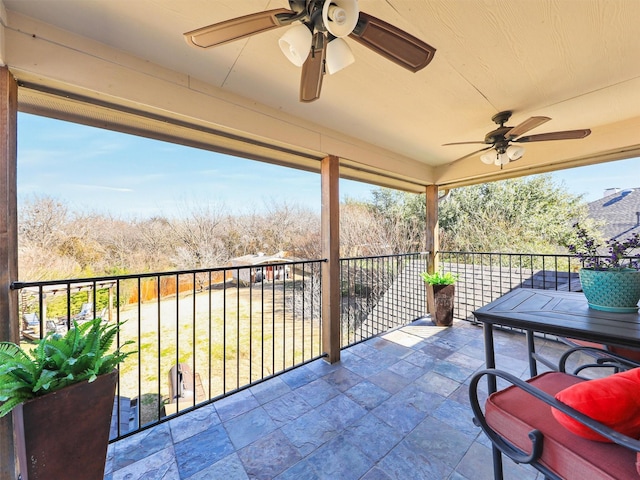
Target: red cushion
x,y
613,401
630,353
513,413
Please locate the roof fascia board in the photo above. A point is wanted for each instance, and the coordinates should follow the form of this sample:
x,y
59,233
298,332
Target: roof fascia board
x,y
40,54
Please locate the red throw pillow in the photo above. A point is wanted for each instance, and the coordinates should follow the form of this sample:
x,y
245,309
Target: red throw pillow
x,y
613,401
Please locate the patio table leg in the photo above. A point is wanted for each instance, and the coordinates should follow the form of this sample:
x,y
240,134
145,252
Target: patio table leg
x,y
490,362
489,356
531,346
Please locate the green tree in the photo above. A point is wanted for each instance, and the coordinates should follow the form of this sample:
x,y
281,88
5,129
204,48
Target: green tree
x,y
529,215
403,216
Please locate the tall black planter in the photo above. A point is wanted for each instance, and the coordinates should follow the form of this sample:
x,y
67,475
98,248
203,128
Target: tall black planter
x,y
440,304
65,434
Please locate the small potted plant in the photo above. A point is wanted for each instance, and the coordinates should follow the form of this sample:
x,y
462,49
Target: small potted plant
x,y
610,282
440,295
61,395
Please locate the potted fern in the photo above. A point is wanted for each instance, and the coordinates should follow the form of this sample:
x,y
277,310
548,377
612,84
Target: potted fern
x,y
61,395
440,295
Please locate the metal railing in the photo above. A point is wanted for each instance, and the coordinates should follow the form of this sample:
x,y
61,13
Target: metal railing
x,y
199,334
486,276
204,334
207,333
380,293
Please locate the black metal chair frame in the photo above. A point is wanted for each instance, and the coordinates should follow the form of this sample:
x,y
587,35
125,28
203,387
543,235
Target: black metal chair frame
x,y
532,457
603,359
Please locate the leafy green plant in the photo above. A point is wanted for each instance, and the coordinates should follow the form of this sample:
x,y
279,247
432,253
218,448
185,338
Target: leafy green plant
x,y
57,361
586,249
438,278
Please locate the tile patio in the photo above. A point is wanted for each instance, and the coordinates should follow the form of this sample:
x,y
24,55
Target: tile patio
x,y
395,407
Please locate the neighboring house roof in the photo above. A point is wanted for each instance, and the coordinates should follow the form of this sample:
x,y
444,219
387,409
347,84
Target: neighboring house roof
x,y
619,212
260,259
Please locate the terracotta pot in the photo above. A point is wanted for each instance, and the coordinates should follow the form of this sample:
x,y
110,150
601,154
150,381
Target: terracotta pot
x,y
440,304
65,434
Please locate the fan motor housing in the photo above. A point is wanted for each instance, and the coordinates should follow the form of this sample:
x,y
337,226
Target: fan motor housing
x,y
501,117
496,135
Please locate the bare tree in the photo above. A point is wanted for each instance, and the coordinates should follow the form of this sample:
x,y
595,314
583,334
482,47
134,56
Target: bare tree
x,y
66,244
42,222
198,243
403,216
37,264
243,235
362,231
285,224
283,227
84,251
156,243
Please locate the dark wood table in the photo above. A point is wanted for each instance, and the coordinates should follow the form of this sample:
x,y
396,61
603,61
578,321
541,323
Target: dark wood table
x,y
565,314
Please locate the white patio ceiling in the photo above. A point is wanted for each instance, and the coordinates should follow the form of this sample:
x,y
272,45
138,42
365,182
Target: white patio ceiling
x,y
576,61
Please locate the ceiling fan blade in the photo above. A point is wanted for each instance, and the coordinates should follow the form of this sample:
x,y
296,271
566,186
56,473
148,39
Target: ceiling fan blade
x,y
462,143
474,153
313,69
565,135
392,43
529,124
237,28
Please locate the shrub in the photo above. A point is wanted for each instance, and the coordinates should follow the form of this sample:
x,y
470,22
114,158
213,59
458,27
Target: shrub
x,y
57,361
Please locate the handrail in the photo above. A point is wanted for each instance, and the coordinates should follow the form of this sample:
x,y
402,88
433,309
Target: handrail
x,y
227,327
199,317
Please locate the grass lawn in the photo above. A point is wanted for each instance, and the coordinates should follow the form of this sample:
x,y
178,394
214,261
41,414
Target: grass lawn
x,y
259,336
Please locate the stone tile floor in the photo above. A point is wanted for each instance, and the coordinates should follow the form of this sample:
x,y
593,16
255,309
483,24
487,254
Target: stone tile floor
x,y
394,407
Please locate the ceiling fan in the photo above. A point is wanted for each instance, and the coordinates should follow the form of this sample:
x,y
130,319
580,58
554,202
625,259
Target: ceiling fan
x,y
316,43
500,140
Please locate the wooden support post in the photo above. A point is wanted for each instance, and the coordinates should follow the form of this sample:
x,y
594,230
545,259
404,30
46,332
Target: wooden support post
x,y
330,233
432,244
9,326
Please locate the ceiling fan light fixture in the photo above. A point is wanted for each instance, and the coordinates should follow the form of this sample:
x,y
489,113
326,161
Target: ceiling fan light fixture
x,y
339,56
296,44
340,16
306,45
488,158
515,152
502,159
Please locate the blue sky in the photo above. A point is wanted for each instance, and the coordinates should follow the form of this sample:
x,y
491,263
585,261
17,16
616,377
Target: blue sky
x,y
94,170
592,181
